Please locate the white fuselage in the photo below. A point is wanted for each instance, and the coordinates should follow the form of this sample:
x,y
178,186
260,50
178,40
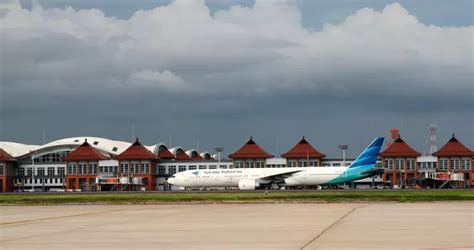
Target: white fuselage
x,y
232,177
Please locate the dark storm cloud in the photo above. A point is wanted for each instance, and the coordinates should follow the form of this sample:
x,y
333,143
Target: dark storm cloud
x,y
242,71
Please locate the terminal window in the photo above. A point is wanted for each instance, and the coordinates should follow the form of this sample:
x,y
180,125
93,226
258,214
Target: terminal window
x,y
172,169
61,171
161,170
50,170
82,168
399,164
389,164
72,169
41,171
134,168
93,168
454,164
123,168
145,168
443,164
466,164
410,164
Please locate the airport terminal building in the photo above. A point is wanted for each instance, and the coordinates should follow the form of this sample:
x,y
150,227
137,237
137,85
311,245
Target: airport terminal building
x,y
99,164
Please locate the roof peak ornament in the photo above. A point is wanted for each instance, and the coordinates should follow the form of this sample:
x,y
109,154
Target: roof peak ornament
x,y
251,141
136,143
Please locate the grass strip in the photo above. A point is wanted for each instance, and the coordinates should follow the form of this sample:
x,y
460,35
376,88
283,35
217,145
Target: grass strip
x,y
170,197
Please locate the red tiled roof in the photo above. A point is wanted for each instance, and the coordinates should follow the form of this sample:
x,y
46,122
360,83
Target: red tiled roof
x,y
453,148
85,152
182,156
4,156
303,150
250,150
136,152
165,154
399,148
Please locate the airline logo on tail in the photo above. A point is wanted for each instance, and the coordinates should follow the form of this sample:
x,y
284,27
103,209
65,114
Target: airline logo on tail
x,y
369,155
363,166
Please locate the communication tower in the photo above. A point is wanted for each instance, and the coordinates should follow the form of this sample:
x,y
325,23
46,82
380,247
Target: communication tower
x,y
433,132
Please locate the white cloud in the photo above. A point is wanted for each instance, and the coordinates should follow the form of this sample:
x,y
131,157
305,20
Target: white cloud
x,y
259,49
154,79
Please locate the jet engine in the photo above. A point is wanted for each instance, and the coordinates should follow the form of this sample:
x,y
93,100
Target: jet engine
x,y
248,184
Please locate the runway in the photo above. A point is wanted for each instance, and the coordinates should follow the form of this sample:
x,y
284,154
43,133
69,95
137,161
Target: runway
x,y
437,225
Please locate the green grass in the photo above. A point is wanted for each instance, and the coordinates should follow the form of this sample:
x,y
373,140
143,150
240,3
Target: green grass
x,y
315,196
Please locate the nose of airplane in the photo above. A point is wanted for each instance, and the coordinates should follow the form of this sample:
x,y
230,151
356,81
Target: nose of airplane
x,y
172,180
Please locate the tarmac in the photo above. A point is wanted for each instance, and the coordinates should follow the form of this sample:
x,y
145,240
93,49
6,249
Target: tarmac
x,y
428,226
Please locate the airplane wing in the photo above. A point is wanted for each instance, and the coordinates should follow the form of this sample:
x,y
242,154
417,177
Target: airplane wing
x,y
278,178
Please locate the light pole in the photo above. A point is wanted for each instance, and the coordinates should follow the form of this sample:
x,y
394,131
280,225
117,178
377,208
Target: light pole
x,y
32,172
344,147
219,150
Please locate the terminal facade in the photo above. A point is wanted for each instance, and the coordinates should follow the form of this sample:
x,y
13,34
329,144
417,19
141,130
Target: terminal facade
x,y
99,164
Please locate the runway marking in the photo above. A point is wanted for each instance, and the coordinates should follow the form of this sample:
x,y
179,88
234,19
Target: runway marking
x,y
329,227
54,218
68,216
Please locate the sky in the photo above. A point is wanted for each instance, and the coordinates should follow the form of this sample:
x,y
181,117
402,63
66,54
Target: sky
x,y
202,74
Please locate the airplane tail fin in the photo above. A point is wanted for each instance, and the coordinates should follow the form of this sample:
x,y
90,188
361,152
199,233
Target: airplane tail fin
x,y
369,155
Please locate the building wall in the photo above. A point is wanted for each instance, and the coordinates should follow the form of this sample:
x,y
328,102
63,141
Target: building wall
x,y
82,175
41,177
400,171
457,164
144,169
6,176
250,163
303,162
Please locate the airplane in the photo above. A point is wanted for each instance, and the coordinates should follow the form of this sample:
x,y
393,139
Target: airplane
x,y
252,178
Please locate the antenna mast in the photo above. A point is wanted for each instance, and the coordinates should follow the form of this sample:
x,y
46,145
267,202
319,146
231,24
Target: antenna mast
x,y
433,139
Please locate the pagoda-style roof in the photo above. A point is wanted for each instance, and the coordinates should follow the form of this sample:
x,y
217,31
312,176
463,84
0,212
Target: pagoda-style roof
x,y
165,154
136,152
303,150
453,148
399,148
182,156
4,156
85,152
250,150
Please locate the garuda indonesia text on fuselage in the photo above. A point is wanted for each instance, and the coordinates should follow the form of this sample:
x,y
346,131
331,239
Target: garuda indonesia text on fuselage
x,y
251,178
